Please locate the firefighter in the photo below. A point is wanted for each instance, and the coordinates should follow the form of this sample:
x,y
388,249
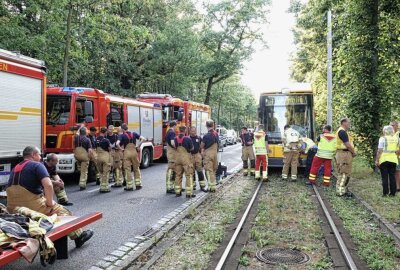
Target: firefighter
x,y
171,152
116,156
183,163
387,159
344,156
93,159
325,153
58,185
261,151
127,142
247,152
29,186
104,160
395,126
82,153
209,152
310,149
291,152
197,160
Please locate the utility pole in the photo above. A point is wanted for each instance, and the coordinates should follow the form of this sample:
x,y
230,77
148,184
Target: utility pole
x,y
329,71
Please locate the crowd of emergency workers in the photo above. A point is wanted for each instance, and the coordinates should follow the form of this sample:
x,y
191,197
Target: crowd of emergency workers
x,y
328,147
32,182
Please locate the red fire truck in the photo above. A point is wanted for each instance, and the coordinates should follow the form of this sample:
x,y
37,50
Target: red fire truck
x,y
68,107
22,117
188,113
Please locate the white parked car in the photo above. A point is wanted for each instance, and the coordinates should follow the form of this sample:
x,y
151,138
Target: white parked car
x,y
231,136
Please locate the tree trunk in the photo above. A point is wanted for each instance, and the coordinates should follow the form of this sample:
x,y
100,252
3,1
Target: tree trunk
x,y
67,45
219,110
208,92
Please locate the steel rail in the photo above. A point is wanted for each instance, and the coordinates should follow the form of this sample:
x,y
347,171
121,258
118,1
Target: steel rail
x,y
339,239
228,249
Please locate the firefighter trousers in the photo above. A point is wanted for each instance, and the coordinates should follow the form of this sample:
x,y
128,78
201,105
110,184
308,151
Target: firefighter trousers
x,y
131,161
211,165
104,166
290,160
261,161
170,176
248,154
316,165
183,164
198,167
344,161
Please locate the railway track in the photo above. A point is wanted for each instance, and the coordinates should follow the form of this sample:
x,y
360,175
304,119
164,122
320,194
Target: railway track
x,y
344,259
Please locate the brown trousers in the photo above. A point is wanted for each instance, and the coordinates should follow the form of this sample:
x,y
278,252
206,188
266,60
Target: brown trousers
x,y
290,160
18,196
131,161
344,161
183,164
211,165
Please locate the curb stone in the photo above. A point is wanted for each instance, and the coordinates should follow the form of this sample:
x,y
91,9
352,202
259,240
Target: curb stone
x,y
122,257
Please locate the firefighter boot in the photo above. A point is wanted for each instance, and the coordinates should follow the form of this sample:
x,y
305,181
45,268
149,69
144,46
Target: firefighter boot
x,y
169,181
340,185
258,176
194,180
118,178
252,167
202,181
129,179
265,176
245,167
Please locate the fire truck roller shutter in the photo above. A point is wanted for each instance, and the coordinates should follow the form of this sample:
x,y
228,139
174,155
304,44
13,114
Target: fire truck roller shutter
x,y
20,113
158,127
204,118
133,120
146,122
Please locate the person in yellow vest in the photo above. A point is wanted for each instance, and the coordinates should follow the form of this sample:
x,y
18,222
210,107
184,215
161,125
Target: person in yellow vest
x,y
261,151
291,151
344,156
395,126
386,159
325,153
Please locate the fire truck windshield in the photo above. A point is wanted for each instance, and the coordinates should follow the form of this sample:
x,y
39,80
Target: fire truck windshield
x,y
58,109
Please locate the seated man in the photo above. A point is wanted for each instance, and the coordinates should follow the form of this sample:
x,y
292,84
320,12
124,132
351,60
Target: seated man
x,y
58,184
30,186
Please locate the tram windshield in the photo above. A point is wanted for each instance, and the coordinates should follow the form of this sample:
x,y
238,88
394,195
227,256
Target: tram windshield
x,y
279,110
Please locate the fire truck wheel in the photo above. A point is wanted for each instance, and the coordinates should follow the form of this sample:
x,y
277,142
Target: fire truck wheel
x,y
146,158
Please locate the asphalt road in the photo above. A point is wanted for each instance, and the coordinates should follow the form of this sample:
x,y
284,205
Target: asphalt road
x,y
125,214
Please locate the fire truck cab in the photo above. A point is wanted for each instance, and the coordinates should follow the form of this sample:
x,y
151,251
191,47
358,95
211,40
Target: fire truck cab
x,y
68,107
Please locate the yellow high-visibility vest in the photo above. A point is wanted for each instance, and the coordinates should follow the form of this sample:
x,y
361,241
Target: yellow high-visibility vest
x,y
389,151
340,143
259,143
327,146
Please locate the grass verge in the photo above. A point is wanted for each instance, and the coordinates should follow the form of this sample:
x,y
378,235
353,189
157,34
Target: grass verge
x,y
203,236
287,217
367,184
374,246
